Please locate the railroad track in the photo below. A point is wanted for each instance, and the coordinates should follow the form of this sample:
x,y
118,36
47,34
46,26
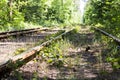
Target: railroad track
x,y
117,40
23,38
12,40
19,32
26,56
27,38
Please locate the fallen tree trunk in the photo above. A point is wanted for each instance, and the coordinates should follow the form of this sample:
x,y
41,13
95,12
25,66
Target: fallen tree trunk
x,y
21,59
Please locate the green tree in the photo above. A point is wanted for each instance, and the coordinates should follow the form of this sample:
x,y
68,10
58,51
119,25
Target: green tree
x,y
107,14
48,11
104,12
10,17
43,12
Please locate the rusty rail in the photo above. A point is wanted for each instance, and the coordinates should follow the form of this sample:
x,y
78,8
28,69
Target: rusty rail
x,y
117,40
19,32
8,32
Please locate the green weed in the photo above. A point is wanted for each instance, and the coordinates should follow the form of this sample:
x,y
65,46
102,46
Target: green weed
x,y
112,54
54,53
20,50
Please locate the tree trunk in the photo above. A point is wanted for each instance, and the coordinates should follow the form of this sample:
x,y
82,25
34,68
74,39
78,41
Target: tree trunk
x,y
10,2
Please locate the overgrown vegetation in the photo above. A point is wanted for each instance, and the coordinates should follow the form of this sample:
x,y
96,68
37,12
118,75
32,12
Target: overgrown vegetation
x,y
15,13
55,53
112,50
105,14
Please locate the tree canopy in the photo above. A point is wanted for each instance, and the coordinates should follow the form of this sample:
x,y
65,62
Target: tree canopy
x,y
106,14
103,12
43,12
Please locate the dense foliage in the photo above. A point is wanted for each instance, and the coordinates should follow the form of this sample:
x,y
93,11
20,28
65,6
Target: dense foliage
x,y
9,14
43,12
106,14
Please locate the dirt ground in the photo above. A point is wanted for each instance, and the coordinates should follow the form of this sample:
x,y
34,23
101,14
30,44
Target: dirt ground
x,y
80,64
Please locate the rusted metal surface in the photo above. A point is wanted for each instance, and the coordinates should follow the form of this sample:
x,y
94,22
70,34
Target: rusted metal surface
x,y
8,32
14,33
117,40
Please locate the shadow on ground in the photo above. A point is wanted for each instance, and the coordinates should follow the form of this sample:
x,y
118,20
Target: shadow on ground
x,y
80,38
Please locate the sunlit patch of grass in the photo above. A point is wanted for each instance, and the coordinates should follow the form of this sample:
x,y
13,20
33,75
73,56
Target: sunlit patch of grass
x,y
30,25
19,51
77,28
21,26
